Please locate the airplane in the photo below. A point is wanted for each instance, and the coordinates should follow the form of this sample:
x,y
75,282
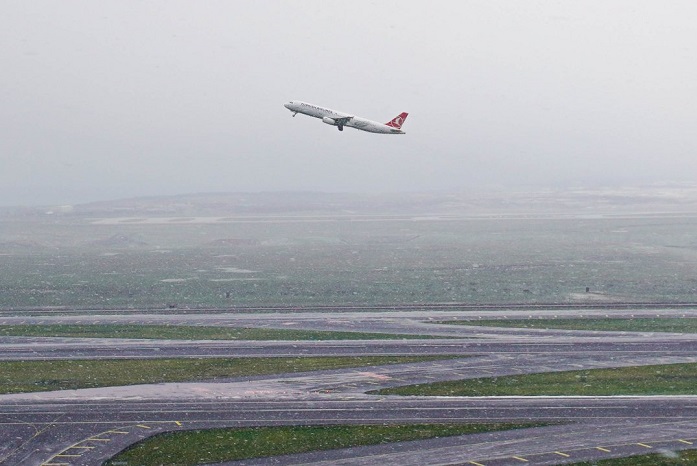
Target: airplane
x,y
340,119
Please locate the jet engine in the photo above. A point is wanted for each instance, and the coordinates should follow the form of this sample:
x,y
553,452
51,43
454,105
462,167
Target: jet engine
x,y
329,121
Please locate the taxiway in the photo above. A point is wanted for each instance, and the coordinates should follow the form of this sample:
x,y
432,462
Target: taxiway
x,y
85,427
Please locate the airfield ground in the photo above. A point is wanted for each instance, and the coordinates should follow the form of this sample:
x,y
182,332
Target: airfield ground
x,y
624,270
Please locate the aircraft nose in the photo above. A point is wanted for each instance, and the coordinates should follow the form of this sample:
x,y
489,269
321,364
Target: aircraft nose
x,y
287,105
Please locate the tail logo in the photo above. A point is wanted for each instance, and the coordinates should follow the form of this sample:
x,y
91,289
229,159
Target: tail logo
x,y
398,121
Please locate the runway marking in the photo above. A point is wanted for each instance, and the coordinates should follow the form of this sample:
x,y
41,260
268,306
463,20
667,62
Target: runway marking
x,y
95,438
685,441
476,464
178,423
603,449
520,459
562,454
644,445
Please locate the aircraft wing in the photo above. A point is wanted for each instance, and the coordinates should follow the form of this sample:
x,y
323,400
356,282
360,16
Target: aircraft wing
x,y
341,121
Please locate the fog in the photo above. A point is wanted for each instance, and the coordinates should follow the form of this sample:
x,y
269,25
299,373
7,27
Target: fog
x,y
115,99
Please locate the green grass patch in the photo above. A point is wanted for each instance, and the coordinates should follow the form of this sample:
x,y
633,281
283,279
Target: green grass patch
x,y
677,325
177,332
32,376
219,445
671,379
66,260
656,459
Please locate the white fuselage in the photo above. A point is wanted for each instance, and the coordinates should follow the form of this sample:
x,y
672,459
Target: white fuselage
x,y
330,116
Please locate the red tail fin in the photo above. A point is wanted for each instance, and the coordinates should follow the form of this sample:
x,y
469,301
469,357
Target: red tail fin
x,y
398,121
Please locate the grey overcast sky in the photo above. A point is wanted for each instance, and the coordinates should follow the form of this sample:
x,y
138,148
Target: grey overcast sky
x,y
115,98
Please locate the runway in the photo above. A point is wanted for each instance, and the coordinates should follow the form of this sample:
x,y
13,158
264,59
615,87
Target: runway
x,y
593,425
85,427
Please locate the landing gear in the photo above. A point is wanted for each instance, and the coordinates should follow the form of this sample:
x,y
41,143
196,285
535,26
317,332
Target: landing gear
x,y
340,127
295,113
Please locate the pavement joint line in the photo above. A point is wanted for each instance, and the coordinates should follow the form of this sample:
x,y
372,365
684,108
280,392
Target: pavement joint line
x,y
68,423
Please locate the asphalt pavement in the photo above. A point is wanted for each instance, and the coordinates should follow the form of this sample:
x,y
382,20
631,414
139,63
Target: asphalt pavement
x,y
85,427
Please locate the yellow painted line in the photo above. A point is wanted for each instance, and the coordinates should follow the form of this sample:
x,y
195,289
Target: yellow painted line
x,y
98,440
562,454
84,448
178,423
520,459
55,464
685,441
117,432
476,464
644,445
63,455
144,427
603,449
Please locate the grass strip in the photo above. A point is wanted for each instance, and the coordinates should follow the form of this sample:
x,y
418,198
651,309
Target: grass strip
x,y
32,376
670,379
219,445
683,457
669,324
176,332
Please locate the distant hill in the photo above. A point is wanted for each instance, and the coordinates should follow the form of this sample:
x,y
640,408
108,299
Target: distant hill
x,y
572,201
119,241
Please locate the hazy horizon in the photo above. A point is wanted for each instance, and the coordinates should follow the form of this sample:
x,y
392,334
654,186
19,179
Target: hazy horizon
x,y
122,99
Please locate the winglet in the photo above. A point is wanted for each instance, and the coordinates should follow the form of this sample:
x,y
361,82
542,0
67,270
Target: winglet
x,y
398,121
